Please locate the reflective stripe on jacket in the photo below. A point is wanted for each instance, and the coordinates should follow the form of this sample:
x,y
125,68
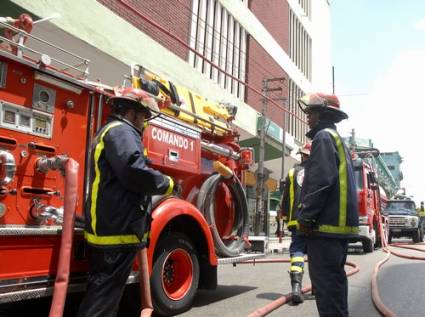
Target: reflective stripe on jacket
x,y
121,187
291,195
328,196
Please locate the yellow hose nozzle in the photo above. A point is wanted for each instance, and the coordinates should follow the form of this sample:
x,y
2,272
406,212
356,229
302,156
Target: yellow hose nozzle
x,y
222,169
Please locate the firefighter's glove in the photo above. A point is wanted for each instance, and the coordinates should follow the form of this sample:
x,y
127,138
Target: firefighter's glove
x,y
306,227
177,191
170,188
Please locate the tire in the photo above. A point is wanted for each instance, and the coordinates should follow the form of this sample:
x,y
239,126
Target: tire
x,y
367,246
175,275
390,238
416,236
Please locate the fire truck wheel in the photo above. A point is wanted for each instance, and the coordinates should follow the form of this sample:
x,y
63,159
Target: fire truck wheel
x,y
175,275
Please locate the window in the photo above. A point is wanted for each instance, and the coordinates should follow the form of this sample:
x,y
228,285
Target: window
x,y
294,126
220,39
306,6
299,45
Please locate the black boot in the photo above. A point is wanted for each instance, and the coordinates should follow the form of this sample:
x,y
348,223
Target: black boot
x,y
296,282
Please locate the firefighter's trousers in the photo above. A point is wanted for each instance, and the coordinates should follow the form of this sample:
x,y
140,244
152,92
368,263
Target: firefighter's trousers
x,y
326,260
108,273
296,252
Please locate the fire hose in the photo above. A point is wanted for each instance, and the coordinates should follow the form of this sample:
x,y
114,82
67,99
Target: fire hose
x,y
376,298
69,169
382,309
267,309
240,229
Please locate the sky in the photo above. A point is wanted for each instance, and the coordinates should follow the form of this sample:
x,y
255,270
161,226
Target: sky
x,y
378,51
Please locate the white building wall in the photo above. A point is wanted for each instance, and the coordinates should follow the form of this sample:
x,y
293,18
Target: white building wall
x,y
322,45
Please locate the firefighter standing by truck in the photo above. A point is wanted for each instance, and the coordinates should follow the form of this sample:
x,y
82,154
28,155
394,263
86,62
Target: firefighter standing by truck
x,y
328,215
421,214
290,202
118,207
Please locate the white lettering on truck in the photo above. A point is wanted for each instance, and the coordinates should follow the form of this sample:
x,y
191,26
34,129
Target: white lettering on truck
x,y
171,139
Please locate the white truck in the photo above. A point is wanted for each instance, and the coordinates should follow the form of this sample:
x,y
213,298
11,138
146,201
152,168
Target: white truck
x,y
403,219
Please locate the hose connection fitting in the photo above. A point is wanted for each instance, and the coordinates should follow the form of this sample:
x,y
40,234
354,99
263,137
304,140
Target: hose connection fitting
x,y
44,213
8,167
44,164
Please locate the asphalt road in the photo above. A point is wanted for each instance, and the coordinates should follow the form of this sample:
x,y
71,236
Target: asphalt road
x,y
245,288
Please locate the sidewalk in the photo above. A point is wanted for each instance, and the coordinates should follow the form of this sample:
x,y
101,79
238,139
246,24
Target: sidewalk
x,y
274,246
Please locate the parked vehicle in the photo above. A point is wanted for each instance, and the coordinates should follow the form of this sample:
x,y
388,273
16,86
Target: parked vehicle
x,y
370,199
403,219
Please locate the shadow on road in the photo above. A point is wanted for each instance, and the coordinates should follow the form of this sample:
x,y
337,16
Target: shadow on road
x,y
270,296
206,297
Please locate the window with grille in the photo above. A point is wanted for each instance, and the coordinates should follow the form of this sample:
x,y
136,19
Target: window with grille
x,y
219,40
299,45
294,126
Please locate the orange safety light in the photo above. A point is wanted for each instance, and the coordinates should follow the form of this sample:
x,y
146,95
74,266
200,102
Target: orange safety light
x,y
246,158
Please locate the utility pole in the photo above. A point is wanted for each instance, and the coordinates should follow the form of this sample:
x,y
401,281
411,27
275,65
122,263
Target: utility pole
x,y
259,208
259,202
282,173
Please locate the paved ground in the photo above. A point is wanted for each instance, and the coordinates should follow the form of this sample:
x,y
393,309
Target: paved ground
x,y
244,288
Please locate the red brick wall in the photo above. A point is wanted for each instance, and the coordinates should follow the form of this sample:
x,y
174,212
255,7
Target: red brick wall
x,y
175,16
274,15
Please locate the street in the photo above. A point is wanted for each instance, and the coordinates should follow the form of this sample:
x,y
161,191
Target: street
x,y
245,288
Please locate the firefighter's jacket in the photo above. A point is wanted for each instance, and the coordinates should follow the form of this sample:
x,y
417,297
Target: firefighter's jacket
x,y
291,195
328,195
121,184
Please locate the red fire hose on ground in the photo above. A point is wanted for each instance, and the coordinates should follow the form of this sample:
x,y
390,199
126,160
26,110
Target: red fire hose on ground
x,y
70,169
383,310
376,298
267,309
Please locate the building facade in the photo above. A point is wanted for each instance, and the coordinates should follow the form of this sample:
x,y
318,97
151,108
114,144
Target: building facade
x,y
259,55
393,161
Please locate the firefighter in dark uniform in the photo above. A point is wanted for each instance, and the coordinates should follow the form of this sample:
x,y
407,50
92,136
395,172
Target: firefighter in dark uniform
x,y
328,215
290,201
118,206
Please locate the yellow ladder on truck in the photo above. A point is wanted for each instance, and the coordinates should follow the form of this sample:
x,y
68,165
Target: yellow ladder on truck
x,y
213,118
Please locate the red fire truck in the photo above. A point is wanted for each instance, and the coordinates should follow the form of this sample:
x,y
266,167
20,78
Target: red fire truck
x,y
370,199
49,114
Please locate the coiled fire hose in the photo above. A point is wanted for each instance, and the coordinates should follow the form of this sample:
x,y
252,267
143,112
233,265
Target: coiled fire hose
x,y
206,204
70,169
